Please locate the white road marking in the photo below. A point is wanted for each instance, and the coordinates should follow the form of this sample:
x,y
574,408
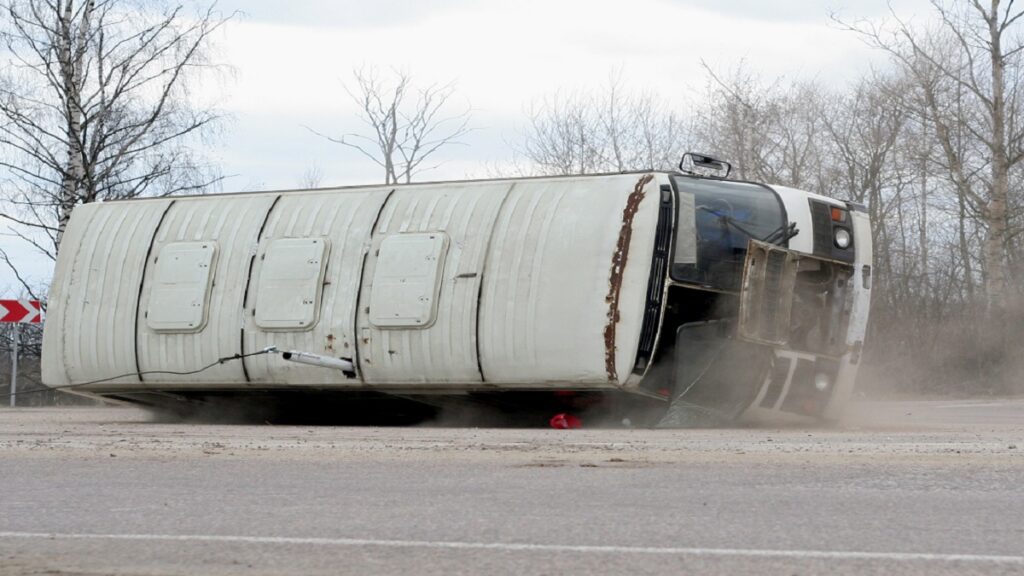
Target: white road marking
x,y
516,547
972,405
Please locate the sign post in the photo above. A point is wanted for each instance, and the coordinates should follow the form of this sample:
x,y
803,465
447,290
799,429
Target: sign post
x,y
18,312
14,364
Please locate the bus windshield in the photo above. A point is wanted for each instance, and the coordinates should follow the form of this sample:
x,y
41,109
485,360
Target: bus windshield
x,y
725,216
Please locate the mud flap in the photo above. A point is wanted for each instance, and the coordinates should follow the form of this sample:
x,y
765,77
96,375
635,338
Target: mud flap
x,y
716,376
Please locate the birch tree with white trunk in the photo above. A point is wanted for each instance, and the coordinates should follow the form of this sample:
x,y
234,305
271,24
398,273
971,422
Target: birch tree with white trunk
x,y
969,86
96,103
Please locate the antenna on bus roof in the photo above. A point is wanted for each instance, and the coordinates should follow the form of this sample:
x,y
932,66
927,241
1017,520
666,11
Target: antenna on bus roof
x,y
703,165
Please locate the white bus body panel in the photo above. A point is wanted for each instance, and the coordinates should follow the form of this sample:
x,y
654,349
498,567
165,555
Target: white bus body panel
x,y
446,351
91,312
346,219
524,300
861,306
231,224
546,288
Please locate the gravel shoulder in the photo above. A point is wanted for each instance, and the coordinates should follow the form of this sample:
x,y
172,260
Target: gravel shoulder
x,y
936,431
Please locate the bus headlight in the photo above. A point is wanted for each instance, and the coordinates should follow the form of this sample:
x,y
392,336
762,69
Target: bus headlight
x,y
841,237
822,381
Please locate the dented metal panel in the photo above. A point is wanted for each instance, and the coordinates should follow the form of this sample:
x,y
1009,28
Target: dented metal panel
x,y
232,223
90,328
346,218
618,269
446,352
766,297
565,283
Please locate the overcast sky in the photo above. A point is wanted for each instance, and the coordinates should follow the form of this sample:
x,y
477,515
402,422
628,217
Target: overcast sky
x,y
291,59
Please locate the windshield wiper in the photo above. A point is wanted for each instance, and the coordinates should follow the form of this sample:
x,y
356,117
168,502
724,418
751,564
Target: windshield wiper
x,y
782,234
778,236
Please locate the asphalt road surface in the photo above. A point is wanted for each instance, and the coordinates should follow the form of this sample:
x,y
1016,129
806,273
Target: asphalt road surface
x,y
900,488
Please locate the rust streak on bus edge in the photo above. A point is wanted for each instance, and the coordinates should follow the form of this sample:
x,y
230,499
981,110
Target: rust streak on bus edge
x,y
618,267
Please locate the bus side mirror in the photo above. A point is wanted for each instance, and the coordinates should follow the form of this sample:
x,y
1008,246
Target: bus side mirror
x,y
704,165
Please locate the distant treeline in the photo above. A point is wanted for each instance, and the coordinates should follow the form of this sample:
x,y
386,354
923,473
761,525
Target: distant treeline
x,y
933,144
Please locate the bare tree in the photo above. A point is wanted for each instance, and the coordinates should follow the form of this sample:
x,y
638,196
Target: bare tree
x,y
95,104
862,130
968,75
965,97
562,136
770,130
313,177
735,120
406,126
612,130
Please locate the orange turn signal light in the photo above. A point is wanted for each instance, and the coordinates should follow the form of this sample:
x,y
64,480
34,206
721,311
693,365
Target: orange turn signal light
x,y
838,214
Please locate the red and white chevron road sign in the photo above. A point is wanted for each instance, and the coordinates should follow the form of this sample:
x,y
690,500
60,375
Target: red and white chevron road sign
x,y
21,311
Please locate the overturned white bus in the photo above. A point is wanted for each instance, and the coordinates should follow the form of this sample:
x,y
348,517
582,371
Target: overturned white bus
x,y
655,296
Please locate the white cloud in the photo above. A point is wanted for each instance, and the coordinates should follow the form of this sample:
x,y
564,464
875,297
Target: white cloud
x,y
502,55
